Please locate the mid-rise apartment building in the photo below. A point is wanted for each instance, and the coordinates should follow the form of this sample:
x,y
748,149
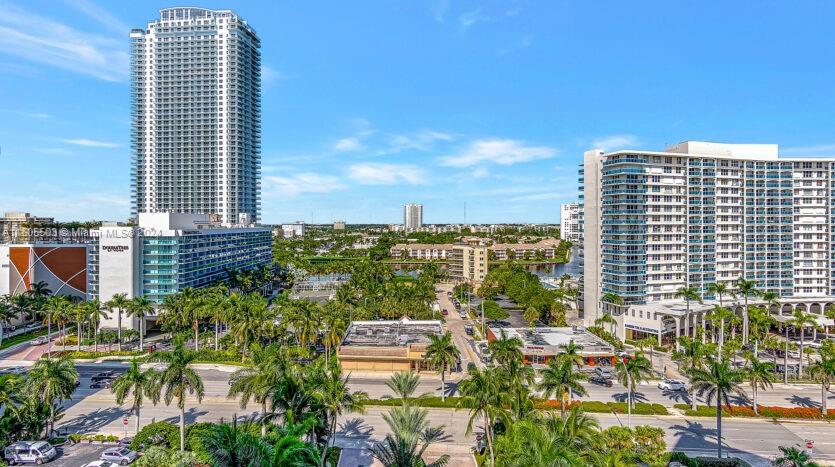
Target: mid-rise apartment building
x,y
196,115
699,213
570,222
468,263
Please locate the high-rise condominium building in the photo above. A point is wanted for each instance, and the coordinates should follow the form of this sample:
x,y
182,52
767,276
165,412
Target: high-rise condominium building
x,y
196,115
701,213
413,216
570,222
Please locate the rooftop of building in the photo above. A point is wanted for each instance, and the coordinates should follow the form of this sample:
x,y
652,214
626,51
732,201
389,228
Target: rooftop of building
x,y
395,333
556,337
752,152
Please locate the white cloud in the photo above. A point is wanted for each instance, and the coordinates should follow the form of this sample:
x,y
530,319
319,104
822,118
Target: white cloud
x,y
43,40
469,18
348,144
35,115
423,140
498,151
100,15
304,182
90,143
480,172
612,142
386,174
270,75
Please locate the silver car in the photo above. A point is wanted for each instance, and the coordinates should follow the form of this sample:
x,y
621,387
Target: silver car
x,y
29,452
121,455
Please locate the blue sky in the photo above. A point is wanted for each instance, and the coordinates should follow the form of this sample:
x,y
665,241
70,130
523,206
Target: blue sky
x,y
481,108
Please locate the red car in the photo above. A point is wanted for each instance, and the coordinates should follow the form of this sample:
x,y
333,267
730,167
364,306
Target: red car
x,y
446,312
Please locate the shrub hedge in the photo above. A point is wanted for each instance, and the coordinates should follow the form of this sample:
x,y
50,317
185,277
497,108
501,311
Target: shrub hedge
x,y
163,434
764,411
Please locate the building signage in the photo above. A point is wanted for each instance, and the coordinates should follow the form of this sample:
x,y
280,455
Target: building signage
x,y
114,248
640,328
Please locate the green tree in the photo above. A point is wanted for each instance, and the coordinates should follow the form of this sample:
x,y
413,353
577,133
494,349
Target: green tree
x,y
54,306
442,355
94,315
716,382
746,289
140,307
333,394
631,371
793,457
178,379
51,381
258,381
606,318
824,371
561,379
799,321
481,393
410,437
505,349
136,382
120,303
231,445
760,376
689,294
403,384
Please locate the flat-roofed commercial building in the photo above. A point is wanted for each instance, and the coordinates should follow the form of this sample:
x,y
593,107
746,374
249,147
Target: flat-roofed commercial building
x,y
397,345
540,345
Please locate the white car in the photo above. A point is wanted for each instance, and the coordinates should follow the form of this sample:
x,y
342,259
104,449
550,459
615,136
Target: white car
x,y
672,385
100,464
121,455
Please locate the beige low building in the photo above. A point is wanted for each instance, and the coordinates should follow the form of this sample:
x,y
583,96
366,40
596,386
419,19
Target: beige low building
x,y
387,345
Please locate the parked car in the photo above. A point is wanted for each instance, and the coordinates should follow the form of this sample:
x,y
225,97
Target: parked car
x,y
603,372
468,329
29,452
100,464
672,385
599,380
104,375
120,455
446,312
15,370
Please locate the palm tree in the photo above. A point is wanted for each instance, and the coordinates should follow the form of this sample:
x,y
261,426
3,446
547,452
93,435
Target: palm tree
x,y
178,379
561,379
799,321
612,299
94,315
481,393
746,289
52,380
716,382
140,307
571,351
403,384
630,372
824,371
55,305
6,315
136,382
411,436
81,311
649,343
9,391
257,382
233,446
793,457
760,376
505,349
335,398
216,307
335,328
606,318
718,317
120,302
689,294
691,354
442,355
720,289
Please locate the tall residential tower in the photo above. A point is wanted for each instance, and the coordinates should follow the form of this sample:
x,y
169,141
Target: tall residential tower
x,y
413,216
196,115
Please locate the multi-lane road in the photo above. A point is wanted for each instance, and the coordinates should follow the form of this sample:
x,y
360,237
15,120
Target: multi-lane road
x,y
757,440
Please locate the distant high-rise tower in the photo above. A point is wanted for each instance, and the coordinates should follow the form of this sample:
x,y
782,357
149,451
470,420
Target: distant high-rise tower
x,y
413,216
196,115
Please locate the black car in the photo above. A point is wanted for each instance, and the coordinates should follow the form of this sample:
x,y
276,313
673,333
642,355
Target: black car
x,y
599,380
103,376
